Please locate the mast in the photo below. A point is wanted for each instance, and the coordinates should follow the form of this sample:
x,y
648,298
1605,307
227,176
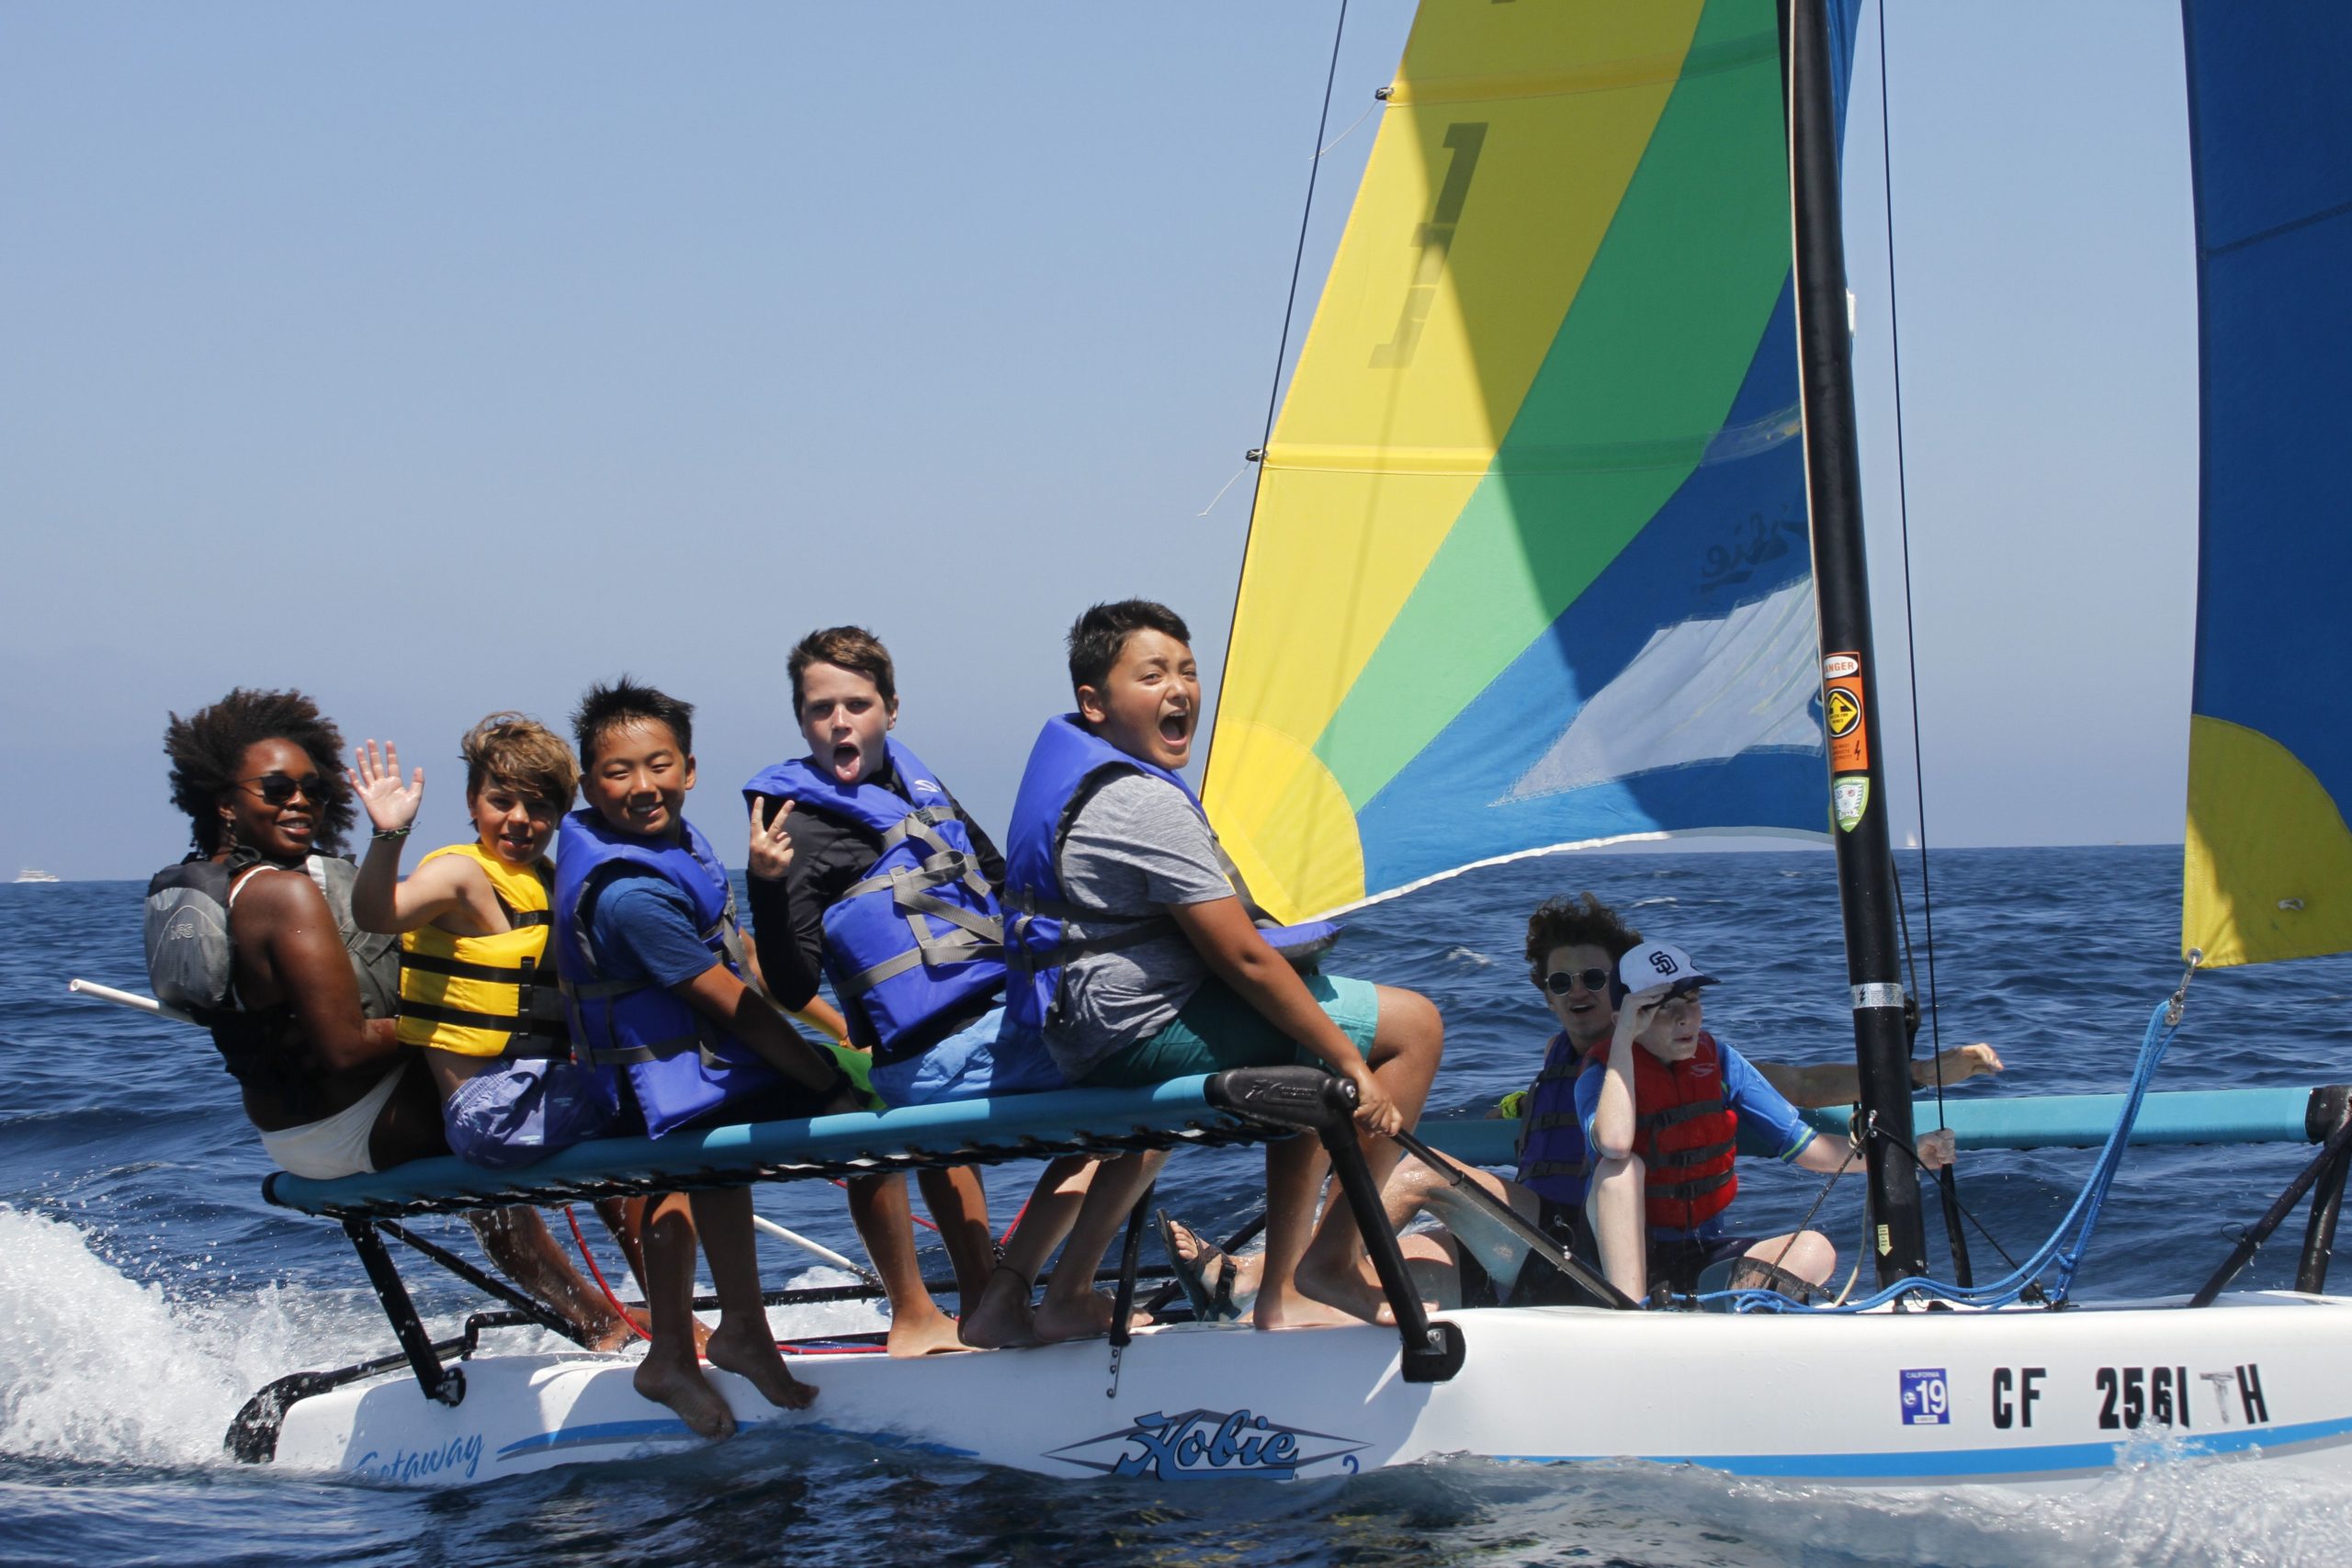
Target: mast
x,y
1842,604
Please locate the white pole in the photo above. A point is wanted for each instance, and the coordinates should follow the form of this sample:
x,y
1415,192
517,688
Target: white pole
x,y
128,999
816,1248
149,1005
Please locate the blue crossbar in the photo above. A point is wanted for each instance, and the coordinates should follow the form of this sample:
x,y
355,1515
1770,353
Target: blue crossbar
x,y
2038,1121
961,1131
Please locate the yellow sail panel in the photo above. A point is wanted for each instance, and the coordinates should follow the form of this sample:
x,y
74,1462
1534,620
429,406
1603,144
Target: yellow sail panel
x,y
2268,870
1492,183
1467,243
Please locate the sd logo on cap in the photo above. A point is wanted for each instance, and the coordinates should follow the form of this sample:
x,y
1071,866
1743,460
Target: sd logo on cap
x,y
1658,963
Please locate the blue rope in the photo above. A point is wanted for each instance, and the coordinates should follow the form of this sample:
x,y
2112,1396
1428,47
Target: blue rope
x,y
2162,1026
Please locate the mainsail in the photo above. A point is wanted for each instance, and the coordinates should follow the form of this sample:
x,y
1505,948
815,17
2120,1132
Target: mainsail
x,y
2269,869
1527,566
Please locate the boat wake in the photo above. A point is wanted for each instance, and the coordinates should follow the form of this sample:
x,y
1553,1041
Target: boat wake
x,y
96,1368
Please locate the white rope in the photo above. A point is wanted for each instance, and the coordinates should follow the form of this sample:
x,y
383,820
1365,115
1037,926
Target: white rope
x,y
1352,129
1228,485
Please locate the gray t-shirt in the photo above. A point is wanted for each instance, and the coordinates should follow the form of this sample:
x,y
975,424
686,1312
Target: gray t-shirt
x,y
1135,847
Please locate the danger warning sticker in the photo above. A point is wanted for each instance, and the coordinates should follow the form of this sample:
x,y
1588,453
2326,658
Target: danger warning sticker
x,y
1841,713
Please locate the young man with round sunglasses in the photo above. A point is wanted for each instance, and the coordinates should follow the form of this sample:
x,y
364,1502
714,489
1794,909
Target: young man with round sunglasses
x,y
1573,948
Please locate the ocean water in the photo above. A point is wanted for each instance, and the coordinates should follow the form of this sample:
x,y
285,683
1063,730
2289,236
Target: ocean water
x,y
145,1289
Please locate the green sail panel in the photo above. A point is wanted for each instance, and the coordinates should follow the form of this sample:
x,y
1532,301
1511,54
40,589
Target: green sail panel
x,y
1529,563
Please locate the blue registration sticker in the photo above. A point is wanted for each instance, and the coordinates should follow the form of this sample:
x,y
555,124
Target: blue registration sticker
x,y
1927,1397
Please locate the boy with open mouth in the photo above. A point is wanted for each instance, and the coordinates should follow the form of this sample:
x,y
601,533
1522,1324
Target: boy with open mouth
x,y
1139,957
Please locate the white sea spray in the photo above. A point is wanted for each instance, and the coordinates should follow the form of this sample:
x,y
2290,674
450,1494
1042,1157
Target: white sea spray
x,y
97,1366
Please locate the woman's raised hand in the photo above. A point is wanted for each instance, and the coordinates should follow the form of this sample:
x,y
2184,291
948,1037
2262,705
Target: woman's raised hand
x,y
376,780
771,842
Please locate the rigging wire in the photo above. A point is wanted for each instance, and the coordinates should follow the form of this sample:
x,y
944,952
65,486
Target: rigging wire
x,y
1948,1182
1903,512
1281,350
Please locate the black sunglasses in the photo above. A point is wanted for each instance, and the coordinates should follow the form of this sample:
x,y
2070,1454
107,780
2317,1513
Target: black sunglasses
x,y
1559,982
276,789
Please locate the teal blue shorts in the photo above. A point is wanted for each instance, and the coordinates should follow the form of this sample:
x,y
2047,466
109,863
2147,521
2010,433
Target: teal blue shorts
x,y
1217,1029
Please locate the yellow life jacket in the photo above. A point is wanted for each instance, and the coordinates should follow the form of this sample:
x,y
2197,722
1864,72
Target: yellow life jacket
x,y
487,996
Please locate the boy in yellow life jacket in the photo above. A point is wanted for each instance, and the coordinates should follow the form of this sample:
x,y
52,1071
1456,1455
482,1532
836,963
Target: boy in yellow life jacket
x,y
478,985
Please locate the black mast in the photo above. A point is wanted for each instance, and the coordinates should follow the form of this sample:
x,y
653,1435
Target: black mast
x,y
1842,603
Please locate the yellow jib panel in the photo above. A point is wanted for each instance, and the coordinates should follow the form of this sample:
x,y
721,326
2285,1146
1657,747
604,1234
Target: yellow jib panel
x,y
1477,219
2268,858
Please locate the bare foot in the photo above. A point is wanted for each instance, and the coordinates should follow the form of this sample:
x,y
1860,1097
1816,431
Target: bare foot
x,y
1088,1317
930,1333
1319,1298
635,1323
1001,1318
609,1334
745,1348
677,1382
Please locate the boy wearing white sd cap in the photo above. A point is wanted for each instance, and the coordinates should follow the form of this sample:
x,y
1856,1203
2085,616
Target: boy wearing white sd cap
x,y
1659,1111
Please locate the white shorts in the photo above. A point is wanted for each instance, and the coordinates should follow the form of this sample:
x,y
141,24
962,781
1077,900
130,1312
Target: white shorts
x,y
334,1145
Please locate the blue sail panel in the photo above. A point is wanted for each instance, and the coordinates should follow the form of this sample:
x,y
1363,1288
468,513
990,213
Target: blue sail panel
x,y
1679,692
2268,866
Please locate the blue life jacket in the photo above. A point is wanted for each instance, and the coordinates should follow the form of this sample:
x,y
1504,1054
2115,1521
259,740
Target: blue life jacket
x,y
1553,1161
680,1065
1065,766
920,932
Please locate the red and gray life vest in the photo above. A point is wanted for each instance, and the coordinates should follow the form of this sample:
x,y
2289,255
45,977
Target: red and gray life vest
x,y
920,932
680,1065
1553,1163
1065,766
1687,1137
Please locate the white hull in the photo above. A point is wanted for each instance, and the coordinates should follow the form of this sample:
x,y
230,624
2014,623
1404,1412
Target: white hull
x,y
2019,1397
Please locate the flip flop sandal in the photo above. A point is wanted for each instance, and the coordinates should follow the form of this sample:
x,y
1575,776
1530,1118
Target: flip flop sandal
x,y
1210,1304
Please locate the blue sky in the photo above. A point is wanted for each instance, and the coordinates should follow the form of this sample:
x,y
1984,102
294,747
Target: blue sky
x,y
441,358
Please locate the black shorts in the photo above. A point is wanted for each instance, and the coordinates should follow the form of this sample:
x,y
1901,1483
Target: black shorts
x,y
1678,1264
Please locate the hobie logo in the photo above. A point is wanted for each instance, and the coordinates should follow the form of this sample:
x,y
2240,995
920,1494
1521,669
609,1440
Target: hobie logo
x,y
1200,1445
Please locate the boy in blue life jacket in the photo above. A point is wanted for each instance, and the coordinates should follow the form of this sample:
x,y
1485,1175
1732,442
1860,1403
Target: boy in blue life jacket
x,y
1138,958
1664,1110
863,867
657,1001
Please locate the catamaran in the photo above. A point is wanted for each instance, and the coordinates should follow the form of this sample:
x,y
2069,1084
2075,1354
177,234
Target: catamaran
x,y
1558,542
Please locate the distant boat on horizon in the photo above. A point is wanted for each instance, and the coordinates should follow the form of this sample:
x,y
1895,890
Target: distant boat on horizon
x,y
29,874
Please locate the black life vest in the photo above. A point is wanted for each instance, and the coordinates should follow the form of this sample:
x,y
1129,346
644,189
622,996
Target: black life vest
x,y
191,963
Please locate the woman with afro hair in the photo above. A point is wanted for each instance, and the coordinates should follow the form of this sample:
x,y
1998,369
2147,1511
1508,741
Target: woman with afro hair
x,y
308,1027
